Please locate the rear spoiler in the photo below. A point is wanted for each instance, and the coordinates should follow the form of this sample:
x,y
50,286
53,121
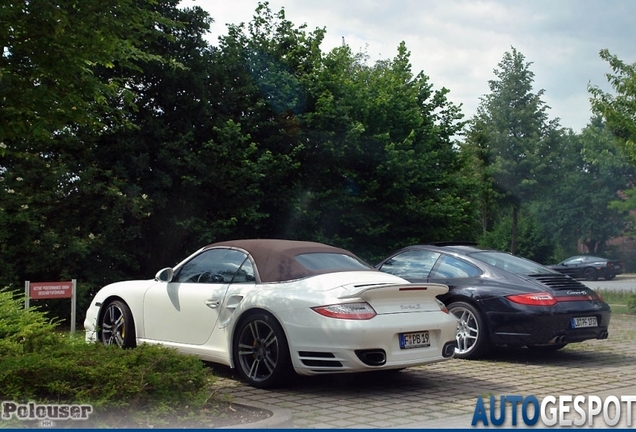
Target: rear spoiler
x,y
411,290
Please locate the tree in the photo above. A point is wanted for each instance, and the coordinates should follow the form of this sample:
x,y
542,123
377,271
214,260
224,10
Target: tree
x,y
66,76
51,52
382,170
592,172
619,110
518,135
476,148
365,156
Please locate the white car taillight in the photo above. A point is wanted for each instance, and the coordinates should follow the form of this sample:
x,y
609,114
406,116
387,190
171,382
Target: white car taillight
x,y
442,306
353,311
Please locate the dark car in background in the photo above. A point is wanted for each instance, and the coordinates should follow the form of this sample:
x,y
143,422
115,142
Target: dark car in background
x,y
589,267
503,300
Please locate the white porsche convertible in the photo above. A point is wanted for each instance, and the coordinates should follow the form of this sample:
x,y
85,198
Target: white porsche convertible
x,y
271,307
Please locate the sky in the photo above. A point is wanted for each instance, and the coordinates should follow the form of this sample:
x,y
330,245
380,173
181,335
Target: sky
x,y
459,43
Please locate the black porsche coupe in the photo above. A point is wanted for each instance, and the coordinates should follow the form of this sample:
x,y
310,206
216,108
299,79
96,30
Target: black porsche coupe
x,y
504,300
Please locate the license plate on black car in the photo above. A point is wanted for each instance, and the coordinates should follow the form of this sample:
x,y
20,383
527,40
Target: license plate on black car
x,y
414,340
583,322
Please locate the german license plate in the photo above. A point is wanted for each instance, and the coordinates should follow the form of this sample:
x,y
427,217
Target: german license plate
x,y
584,322
414,340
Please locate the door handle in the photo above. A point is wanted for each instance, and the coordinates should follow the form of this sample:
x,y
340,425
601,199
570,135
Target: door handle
x,y
212,303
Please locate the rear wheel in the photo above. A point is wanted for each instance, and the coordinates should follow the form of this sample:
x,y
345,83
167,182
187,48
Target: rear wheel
x,y
117,326
610,276
261,352
472,336
590,274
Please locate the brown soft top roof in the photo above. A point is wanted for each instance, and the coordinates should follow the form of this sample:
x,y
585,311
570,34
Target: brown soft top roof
x,y
275,259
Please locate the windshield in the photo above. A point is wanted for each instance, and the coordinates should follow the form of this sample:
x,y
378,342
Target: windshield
x,y
511,263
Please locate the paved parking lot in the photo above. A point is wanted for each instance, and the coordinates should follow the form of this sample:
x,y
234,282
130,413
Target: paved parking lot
x,y
444,395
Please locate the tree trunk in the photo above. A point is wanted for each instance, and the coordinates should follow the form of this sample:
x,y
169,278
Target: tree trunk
x,y
515,217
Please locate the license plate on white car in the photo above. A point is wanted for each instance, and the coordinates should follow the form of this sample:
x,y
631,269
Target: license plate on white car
x,y
584,322
414,340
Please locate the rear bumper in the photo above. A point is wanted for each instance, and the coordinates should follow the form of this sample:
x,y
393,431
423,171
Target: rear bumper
x,y
360,346
519,325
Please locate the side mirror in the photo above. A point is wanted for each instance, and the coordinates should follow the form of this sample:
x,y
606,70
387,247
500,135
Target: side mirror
x,y
164,275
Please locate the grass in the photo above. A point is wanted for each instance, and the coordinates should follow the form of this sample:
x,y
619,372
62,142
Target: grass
x,y
619,301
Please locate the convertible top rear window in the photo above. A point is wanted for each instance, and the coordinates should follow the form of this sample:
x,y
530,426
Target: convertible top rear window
x,y
324,261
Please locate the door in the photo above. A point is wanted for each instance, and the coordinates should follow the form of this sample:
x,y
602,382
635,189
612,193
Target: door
x,y
186,310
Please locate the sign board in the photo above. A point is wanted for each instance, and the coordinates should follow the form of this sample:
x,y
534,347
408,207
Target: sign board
x,y
52,290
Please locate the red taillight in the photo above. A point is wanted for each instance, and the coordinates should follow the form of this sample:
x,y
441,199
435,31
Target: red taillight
x,y
352,311
534,299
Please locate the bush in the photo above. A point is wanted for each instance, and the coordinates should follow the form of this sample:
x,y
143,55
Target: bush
x,y
106,377
40,364
23,330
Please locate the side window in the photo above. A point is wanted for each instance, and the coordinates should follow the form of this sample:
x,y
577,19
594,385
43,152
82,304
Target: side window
x,y
245,273
212,266
414,264
450,268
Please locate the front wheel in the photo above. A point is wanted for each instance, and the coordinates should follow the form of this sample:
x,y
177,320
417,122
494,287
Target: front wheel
x,y
590,274
261,352
472,336
117,326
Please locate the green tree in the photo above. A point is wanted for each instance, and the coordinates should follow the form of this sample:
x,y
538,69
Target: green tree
x,y
476,149
534,241
618,110
51,51
518,135
591,172
382,170
67,81
364,152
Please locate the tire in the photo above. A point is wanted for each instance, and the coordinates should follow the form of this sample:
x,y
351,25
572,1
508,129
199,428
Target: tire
x,y
590,274
472,335
117,326
610,276
261,351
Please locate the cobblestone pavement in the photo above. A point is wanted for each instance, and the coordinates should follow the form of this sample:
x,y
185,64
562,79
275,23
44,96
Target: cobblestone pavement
x,y
443,395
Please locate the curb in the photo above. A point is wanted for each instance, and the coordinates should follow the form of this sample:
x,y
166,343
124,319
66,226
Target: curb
x,y
280,418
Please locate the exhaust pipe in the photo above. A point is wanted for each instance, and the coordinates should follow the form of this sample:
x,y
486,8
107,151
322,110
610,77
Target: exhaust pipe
x,y
372,357
603,335
449,349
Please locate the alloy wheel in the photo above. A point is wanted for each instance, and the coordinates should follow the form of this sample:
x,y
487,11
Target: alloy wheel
x,y
258,350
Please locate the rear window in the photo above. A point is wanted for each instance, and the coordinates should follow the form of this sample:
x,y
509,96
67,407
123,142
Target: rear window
x,y
326,262
511,263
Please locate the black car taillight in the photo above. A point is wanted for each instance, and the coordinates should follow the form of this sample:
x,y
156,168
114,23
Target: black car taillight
x,y
533,299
